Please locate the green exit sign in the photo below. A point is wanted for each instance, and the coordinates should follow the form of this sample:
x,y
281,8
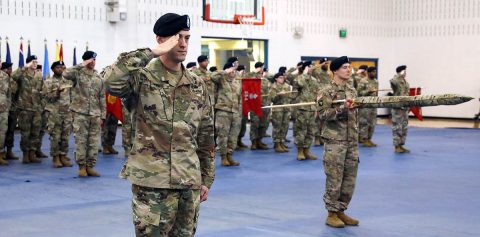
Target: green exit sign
x,y
342,33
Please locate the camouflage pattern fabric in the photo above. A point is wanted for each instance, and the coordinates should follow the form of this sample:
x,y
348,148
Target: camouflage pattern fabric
x,y
173,147
5,104
30,125
367,116
227,126
43,128
340,135
323,81
305,126
128,129
109,130
12,124
59,129
402,102
280,116
229,90
86,130
3,129
400,87
259,125
205,75
165,212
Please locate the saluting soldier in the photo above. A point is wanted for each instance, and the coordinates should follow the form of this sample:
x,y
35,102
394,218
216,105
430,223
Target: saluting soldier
x,y
279,93
259,125
400,87
7,88
368,116
321,73
12,114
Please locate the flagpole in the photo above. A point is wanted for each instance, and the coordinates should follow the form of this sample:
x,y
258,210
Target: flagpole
x,y
298,104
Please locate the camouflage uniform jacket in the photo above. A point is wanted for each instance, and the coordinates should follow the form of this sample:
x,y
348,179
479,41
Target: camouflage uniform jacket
x,y
29,89
368,87
400,86
322,76
280,99
57,101
88,92
173,147
307,87
7,86
340,122
229,92
205,75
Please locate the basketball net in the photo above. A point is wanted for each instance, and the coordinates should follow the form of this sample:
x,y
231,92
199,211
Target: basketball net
x,y
247,26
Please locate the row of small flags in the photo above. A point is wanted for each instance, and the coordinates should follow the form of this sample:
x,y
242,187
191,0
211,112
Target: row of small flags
x,y
21,58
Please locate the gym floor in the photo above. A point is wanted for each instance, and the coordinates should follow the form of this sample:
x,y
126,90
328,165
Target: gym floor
x,y
433,191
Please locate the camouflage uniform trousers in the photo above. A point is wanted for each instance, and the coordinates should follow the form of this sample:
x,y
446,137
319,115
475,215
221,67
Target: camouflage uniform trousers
x,y
259,126
12,124
109,130
318,126
86,129
280,120
3,129
128,129
227,127
59,128
368,120
243,128
165,212
305,127
340,162
399,126
30,126
44,122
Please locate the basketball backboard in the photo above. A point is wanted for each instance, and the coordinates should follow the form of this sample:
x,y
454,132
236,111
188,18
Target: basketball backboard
x,y
234,11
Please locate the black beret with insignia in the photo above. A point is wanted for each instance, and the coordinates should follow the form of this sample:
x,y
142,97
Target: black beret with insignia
x,y
232,59
401,68
306,64
371,69
202,58
258,64
191,64
338,62
240,67
88,55
6,65
279,74
170,24
227,65
31,58
282,69
322,60
57,63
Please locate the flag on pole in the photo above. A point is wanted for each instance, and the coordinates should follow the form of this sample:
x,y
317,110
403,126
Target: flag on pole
x,y
74,55
252,96
417,111
46,64
57,51
60,52
29,53
114,106
21,60
8,59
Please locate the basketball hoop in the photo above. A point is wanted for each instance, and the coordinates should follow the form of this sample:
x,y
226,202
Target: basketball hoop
x,y
246,23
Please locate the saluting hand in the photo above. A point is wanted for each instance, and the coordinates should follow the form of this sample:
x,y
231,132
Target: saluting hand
x,y
88,61
166,46
203,193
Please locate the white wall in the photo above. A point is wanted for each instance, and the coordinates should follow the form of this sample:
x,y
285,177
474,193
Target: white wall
x,y
437,39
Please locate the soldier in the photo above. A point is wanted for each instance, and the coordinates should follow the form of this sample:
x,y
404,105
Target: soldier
x,y
259,125
243,123
88,108
7,86
109,131
30,84
368,116
12,114
57,95
280,116
172,163
400,87
227,112
340,134
128,127
321,73
305,125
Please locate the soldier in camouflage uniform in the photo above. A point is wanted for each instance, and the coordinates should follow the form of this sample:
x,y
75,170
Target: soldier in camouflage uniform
x,y
12,115
128,128
280,116
57,96
321,73
305,126
172,163
340,134
30,85
400,87
88,108
7,86
243,123
259,125
44,119
368,116
227,112
109,131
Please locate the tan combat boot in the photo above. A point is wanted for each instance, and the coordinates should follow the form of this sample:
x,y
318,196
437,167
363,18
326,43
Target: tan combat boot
x,y
82,171
334,221
261,145
92,172
346,219
225,160
277,147
65,161
369,143
284,146
10,155
318,141
32,157
398,149
405,150
300,154
106,150
40,154
308,154
56,162
2,159
254,145
112,150
25,159
232,161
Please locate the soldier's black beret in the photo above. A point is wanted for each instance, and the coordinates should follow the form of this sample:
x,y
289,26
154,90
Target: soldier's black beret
x,y
300,63
6,65
39,67
240,67
338,62
306,64
213,69
232,59
57,63
282,69
31,58
371,69
364,67
88,55
401,68
322,60
202,58
170,24
258,64
227,65
279,74
191,64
